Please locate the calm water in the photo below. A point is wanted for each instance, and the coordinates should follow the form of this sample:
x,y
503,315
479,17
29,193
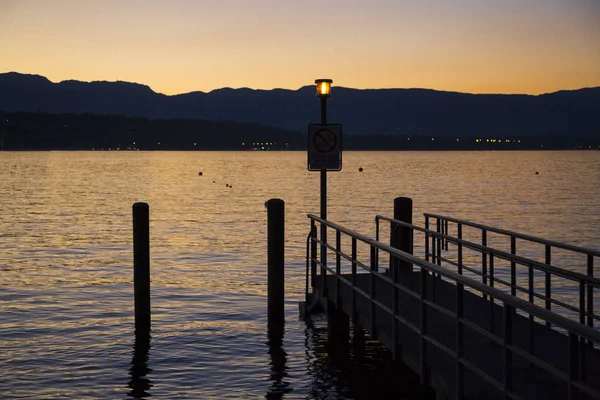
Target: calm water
x,y
66,323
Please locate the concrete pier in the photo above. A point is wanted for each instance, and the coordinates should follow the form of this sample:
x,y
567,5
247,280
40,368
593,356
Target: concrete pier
x,y
528,381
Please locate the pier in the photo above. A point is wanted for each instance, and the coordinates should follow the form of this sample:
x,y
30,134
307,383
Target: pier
x,y
476,319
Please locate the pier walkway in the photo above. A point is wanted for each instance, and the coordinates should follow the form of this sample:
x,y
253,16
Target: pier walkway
x,y
509,327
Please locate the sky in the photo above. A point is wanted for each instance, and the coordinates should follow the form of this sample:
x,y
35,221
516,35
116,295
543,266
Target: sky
x,y
179,46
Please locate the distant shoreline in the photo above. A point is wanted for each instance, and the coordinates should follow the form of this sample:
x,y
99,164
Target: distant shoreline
x,y
291,151
91,132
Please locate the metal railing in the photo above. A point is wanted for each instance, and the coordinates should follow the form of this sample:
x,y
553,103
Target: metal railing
x,y
578,334
521,282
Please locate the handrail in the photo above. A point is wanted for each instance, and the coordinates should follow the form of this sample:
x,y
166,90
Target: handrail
x,y
565,246
565,273
515,302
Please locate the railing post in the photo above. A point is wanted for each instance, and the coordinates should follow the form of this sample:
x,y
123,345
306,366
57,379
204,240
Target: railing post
x,y
423,327
460,250
395,345
353,295
590,292
513,266
338,267
275,259
573,364
460,381
531,300
323,260
484,259
426,239
492,300
338,323
141,267
582,322
509,312
313,254
438,228
401,237
548,281
446,233
372,288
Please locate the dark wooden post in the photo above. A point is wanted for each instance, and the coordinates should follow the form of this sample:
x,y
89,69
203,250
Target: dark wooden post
x,y
275,259
141,266
401,237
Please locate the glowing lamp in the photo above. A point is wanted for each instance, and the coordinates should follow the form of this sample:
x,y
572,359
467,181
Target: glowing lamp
x,y
323,87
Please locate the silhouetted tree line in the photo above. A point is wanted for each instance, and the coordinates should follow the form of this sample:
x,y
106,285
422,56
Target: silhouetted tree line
x,y
41,131
24,130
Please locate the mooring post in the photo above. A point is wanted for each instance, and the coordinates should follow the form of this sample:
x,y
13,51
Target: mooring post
x,y
141,267
275,259
401,237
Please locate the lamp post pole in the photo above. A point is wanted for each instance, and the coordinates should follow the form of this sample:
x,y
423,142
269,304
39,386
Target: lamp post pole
x,y
323,171
323,91
324,205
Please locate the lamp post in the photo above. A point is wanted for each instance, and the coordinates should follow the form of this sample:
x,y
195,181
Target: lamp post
x,y
323,91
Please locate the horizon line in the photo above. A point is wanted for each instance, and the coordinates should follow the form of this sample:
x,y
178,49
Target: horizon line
x,y
294,90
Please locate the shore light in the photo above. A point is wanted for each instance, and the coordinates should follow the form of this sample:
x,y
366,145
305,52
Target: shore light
x,y
323,87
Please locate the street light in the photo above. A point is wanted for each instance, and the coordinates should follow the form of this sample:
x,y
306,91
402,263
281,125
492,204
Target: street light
x,y
323,91
323,87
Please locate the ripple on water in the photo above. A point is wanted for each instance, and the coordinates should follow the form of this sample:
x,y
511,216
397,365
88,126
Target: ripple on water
x,y
66,307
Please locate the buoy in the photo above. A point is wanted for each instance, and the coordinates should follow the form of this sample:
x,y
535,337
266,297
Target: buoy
x,y
360,169
537,173
200,173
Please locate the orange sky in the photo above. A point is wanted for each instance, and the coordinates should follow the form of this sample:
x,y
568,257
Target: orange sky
x,y
177,46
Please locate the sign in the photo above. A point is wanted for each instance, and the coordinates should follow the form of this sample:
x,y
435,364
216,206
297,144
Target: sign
x,y
324,147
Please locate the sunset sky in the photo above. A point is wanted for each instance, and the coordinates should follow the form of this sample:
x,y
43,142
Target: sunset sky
x,y
177,46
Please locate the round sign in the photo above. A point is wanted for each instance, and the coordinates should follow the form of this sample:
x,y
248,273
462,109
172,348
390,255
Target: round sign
x,y
324,140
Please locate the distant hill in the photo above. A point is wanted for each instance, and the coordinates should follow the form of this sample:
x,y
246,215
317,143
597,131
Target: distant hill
x,y
412,112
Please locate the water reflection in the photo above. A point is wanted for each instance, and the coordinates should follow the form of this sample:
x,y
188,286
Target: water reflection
x,y
278,356
139,371
356,369
66,235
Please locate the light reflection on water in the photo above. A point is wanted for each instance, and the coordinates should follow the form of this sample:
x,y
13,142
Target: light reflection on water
x,y
66,318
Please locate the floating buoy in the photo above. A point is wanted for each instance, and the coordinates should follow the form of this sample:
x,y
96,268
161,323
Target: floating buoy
x,y
360,169
537,172
200,173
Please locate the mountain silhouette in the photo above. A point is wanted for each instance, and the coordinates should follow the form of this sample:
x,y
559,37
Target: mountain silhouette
x,y
361,111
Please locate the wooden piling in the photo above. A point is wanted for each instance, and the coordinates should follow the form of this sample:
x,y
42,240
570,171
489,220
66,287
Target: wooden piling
x,y
275,259
141,266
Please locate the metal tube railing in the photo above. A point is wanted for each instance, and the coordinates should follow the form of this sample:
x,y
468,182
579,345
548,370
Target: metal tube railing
x,y
577,333
548,244
564,273
516,302
577,278
565,246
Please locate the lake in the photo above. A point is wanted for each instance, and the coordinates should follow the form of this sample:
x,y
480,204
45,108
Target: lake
x,y
66,295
